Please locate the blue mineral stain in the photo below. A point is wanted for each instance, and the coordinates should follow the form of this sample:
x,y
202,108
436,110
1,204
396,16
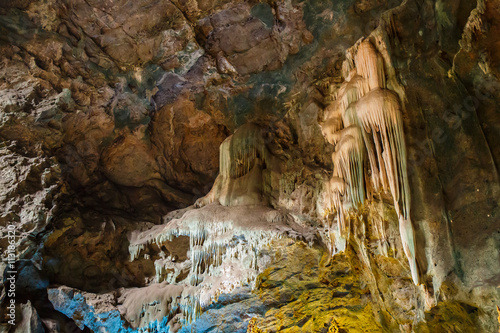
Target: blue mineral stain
x,y
231,313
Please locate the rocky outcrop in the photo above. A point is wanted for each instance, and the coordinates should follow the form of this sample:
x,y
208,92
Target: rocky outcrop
x,y
234,166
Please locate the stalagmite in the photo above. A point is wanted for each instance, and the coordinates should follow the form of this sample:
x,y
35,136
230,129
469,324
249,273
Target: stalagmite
x,y
370,122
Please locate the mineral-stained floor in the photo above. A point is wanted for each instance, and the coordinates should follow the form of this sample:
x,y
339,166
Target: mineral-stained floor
x,y
250,166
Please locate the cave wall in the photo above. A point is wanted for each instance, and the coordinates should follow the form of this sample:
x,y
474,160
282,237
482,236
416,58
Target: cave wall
x,y
120,118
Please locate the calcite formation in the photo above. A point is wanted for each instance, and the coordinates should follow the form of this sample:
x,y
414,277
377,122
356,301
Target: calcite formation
x,y
226,248
242,157
365,119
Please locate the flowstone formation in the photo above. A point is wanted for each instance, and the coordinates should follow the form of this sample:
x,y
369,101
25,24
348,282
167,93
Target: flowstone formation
x,y
364,121
242,158
204,252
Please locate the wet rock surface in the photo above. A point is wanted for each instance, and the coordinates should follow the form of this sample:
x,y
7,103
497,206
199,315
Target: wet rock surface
x,y
123,121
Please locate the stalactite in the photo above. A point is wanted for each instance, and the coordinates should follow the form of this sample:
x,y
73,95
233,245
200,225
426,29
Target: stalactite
x,y
336,190
379,114
369,65
348,163
351,91
408,241
370,122
331,127
225,246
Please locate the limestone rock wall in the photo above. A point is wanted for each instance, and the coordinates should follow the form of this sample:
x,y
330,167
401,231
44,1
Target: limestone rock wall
x,y
357,138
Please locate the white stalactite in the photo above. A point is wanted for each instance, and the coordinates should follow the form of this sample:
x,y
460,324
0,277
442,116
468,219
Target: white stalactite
x,y
336,190
348,163
372,123
225,250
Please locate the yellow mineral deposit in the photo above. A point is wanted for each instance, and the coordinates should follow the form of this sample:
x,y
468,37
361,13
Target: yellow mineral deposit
x,y
498,310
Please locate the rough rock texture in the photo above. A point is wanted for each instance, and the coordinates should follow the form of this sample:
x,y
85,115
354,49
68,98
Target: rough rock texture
x,y
167,165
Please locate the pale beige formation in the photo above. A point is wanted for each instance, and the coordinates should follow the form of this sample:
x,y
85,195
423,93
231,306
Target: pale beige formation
x,y
364,120
241,160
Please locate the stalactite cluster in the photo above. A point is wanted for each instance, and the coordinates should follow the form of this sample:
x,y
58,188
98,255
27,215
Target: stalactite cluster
x,y
364,122
223,251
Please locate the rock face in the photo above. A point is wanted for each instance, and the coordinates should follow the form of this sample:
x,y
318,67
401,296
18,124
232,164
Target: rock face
x,y
245,166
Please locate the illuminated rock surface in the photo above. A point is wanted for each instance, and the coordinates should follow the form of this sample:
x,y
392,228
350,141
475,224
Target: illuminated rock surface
x,y
244,166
